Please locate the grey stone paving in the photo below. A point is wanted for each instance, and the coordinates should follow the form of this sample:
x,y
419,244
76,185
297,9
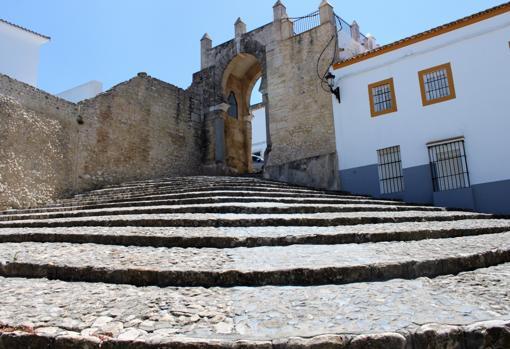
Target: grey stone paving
x,y
262,207
256,219
129,312
360,258
267,232
244,260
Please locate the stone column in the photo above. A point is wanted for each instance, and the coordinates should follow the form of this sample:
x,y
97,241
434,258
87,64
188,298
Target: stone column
x,y
279,15
240,28
205,46
355,31
371,42
326,12
279,11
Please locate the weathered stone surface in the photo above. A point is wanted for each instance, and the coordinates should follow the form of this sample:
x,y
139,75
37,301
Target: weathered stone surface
x,y
246,220
225,237
358,312
291,265
143,128
367,309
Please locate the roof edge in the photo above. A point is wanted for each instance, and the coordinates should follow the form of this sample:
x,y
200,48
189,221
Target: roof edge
x,y
25,29
429,34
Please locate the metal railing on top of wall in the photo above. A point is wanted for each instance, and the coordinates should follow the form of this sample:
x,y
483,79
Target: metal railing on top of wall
x,y
312,20
305,23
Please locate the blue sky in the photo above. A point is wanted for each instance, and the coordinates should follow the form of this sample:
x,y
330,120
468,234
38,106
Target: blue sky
x,y
112,40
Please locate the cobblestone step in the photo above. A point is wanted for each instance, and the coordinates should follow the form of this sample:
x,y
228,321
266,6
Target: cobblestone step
x,y
184,189
289,265
184,182
212,193
244,208
469,310
224,237
372,257
201,192
245,220
212,199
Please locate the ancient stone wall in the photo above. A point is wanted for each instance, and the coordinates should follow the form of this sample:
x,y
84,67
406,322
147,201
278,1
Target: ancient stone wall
x,y
300,133
49,148
300,111
37,144
35,161
143,128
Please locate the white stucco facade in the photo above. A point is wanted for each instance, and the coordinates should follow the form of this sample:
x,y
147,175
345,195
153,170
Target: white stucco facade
x,y
20,52
85,91
479,55
259,140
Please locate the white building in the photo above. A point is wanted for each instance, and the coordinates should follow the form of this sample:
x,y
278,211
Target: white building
x,y
85,91
427,119
20,52
258,125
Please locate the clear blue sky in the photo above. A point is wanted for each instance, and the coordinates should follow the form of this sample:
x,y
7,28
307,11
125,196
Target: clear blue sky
x,y
112,40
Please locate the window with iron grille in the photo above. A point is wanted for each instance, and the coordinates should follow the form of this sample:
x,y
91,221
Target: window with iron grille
x,y
449,166
382,97
437,84
391,179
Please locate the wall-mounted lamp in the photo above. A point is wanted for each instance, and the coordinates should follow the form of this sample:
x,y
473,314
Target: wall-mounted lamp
x,y
330,78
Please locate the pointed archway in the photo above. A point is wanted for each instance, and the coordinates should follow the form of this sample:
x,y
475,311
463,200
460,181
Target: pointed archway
x,y
239,79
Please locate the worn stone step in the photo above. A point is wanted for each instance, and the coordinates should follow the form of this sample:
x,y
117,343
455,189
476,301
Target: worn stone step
x,y
459,310
185,184
194,180
199,187
206,200
244,208
289,265
246,220
209,193
225,237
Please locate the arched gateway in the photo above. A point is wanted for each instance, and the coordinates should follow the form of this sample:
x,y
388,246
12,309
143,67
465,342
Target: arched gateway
x,y
299,118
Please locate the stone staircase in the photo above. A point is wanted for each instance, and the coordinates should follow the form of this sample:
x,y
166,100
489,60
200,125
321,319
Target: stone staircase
x,y
240,262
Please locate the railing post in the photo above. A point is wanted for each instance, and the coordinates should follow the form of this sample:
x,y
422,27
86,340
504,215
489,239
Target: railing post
x,y
205,46
326,12
240,28
355,34
371,42
280,21
279,11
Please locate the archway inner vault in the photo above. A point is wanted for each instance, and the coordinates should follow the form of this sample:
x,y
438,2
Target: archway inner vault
x,y
239,78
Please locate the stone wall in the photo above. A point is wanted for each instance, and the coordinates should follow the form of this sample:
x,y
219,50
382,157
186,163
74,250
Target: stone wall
x,y
34,163
37,143
50,148
143,128
300,110
301,146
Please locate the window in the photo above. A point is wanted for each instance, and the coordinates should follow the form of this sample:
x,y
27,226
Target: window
x,y
391,179
437,84
448,165
232,105
382,97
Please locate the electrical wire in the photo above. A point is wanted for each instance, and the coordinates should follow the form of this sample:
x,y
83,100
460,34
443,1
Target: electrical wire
x,y
323,77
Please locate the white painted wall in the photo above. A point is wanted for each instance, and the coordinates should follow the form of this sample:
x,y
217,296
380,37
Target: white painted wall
x,y
19,56
349,46
258,126
480,59
82,92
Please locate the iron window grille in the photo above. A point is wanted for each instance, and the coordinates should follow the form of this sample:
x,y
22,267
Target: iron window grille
x,y
449,166
389,168
437,84
382,97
